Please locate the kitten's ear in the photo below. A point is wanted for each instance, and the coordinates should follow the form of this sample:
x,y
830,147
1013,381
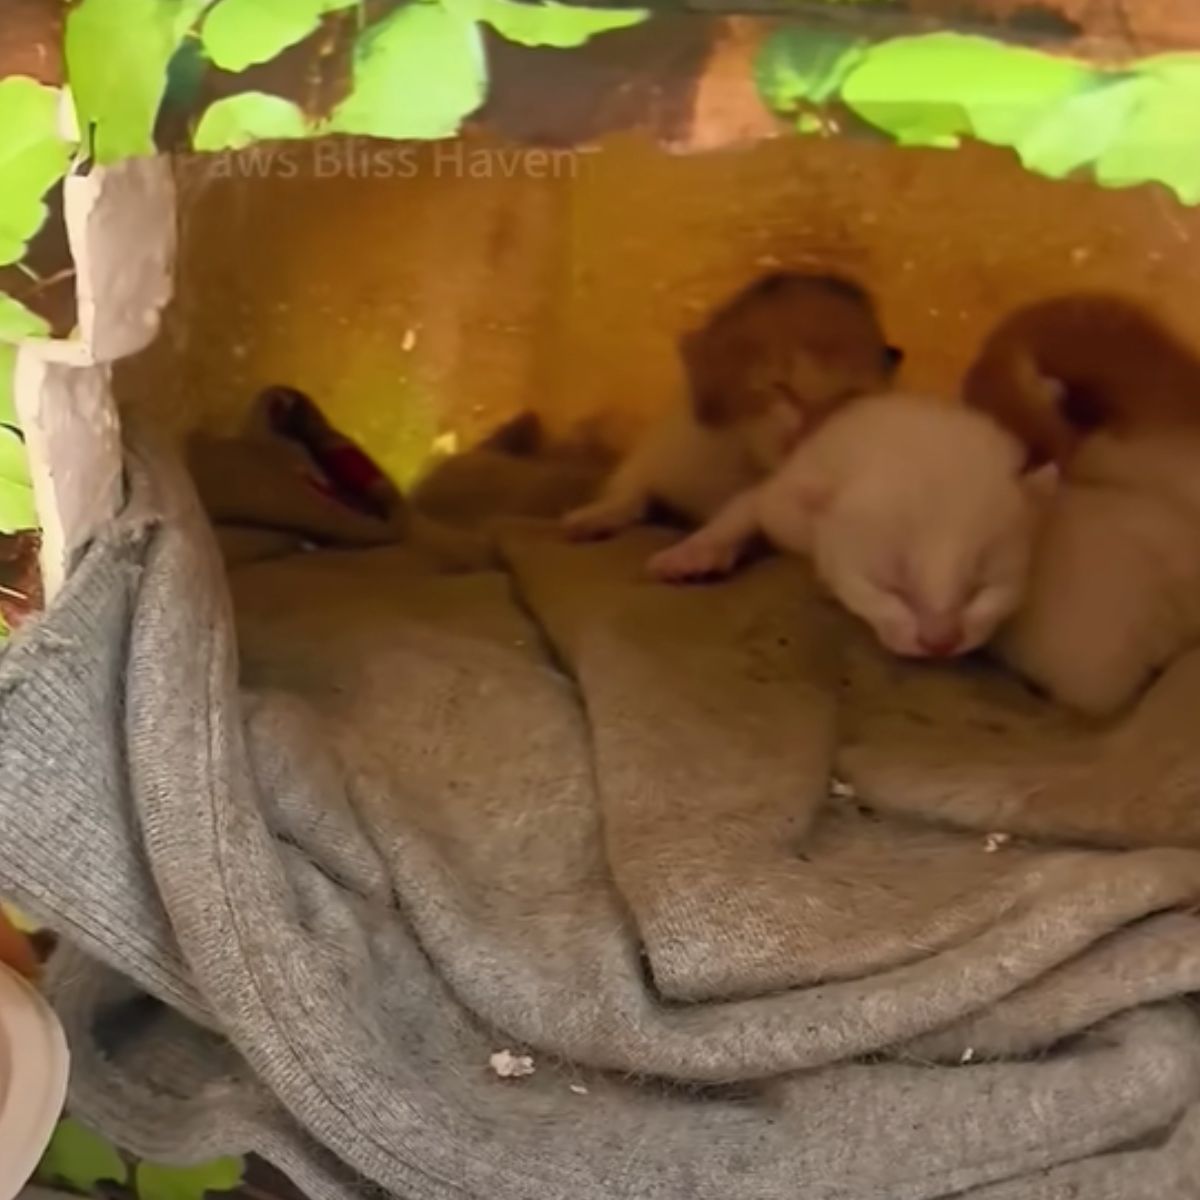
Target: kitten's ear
x,y
1053,395
1048,392
1055,389
1042,483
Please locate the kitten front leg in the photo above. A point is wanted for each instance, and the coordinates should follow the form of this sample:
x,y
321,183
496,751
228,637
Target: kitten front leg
x,y
714,549
611,513
622,502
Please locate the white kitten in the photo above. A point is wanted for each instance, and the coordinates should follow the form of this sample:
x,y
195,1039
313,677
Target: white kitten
x,y
914,512
1115,591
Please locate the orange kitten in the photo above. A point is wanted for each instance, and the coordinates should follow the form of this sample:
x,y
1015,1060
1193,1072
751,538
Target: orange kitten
x,y
1060,370
1100,385
1115,591
765,368
808,341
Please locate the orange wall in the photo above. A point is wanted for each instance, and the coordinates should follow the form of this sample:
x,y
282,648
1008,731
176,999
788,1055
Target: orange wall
x,y
562,283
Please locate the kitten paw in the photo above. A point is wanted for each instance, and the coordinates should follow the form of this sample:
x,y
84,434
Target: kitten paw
x,y
594,522
695,558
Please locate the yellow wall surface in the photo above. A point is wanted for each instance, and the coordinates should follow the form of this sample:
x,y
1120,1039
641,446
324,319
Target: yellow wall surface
x,y
417,292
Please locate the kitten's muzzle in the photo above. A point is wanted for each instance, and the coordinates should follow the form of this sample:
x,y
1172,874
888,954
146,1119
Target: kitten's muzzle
x,y
940,636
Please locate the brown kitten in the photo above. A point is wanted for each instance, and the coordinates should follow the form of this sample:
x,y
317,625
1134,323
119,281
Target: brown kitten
x,y
762,373
1062,369
808,340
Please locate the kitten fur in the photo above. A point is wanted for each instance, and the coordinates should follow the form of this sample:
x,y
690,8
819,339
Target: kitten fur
x,y
914,512
518,470
764,369
810,340
1115,590
1061,369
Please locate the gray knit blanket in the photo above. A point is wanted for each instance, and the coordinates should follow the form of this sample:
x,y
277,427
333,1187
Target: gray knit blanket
x,y
757,912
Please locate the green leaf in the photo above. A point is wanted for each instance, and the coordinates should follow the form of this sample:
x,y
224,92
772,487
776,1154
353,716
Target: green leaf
x,y
14,462
1179,65
239,33
931,90
155,1182
797,65
17,322
185,76
33,157
417,74
552,24
76,1156
1159,143
117,53
240,120
17,509
1023,87
8,374
1081,129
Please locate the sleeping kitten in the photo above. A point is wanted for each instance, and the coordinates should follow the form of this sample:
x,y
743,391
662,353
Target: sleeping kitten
x,y
761,372
1059,370
1115,590
914,512
1102,386
810,341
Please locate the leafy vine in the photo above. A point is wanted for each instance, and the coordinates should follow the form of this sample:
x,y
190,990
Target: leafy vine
x,y
417,73
81,1160
1130,125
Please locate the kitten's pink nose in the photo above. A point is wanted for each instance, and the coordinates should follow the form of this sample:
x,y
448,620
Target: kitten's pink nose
x,y
940,647
940,637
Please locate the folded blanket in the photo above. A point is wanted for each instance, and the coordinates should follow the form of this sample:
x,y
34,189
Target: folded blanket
x,y
313,874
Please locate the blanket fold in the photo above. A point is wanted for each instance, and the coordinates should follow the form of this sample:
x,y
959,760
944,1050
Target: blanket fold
x,y
323,837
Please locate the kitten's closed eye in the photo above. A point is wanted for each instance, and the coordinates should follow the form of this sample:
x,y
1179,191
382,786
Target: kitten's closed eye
x,y
974,591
